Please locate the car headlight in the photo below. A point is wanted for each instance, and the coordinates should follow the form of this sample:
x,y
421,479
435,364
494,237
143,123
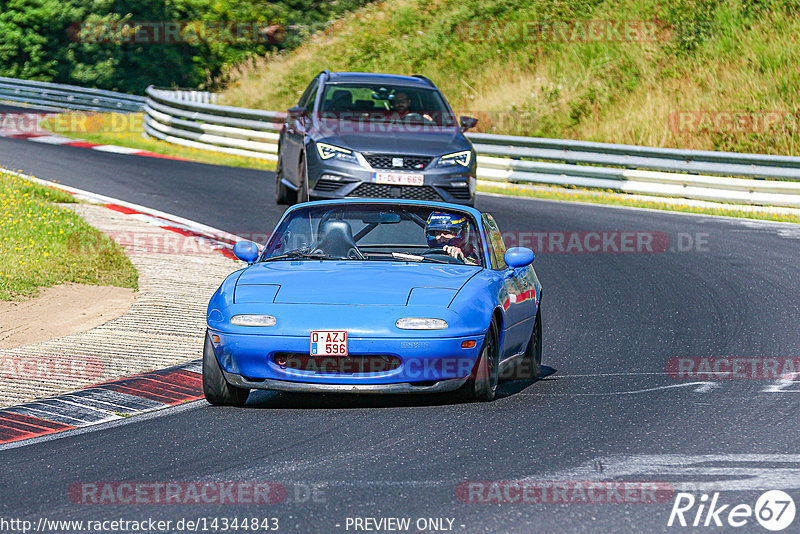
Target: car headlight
x,y
456,158
253,320
420,323
327,151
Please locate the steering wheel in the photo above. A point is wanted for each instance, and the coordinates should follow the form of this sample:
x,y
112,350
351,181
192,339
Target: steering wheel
x,y
442,255
416,117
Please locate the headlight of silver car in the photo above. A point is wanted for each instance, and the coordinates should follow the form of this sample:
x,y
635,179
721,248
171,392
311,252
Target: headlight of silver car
x,y
420,323
456,158
253,320
327,151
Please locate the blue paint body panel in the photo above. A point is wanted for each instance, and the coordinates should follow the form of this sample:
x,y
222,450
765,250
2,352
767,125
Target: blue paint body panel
x,y
365,299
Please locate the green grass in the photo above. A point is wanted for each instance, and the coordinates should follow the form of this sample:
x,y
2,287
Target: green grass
x,y
43,244
126,130
712,55
622,199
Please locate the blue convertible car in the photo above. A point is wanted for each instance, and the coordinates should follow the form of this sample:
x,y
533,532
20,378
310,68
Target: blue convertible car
x,y
374,296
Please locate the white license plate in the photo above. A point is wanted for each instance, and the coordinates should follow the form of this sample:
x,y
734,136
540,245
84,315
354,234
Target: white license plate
x,y
328,343
397,178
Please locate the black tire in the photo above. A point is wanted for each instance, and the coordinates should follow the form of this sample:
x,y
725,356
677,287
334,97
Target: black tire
x,y
302,196
531,364
482,384
283,195
216,389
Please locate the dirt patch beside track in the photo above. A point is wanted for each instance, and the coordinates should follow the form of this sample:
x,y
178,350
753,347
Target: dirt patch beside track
x,y
59,311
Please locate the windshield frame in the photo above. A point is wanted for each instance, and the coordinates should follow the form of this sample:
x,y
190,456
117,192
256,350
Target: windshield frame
x,y
445,118
301,211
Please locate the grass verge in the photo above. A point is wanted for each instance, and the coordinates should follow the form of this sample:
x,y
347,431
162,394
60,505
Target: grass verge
x,y
621,199
125,129
104,128
43,244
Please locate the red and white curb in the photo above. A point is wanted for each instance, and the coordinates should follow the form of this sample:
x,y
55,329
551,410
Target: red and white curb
x,y
213,237
101,403
120,398
52,139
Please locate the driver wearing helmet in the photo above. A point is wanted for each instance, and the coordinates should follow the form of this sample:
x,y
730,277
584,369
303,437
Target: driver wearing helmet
x,y
452,234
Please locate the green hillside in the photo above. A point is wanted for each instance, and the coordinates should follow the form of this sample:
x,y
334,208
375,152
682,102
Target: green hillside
x,y
619,71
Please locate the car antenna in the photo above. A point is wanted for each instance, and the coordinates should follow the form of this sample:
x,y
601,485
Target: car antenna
x,y
308,193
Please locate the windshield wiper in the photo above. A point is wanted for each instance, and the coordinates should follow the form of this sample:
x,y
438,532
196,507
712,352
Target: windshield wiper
x,y
304,254
402,256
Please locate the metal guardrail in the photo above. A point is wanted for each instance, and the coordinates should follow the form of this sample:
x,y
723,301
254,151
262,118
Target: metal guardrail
x,y
57,97
694,174
191,118
228,129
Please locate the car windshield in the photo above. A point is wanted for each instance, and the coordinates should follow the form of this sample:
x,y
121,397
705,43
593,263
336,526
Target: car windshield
x,y
375,232
385,103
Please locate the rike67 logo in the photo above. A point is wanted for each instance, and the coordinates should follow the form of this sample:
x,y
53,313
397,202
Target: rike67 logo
x,y
774,510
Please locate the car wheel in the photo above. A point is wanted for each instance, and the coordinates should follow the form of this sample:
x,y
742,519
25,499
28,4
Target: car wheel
x,y
302,196
532,361
482,384
283,195
216,389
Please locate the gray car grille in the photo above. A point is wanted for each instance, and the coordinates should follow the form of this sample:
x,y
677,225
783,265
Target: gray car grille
x,y
385,161
458,193
326,186
410,192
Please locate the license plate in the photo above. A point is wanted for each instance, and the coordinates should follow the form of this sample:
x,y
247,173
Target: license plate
x,y
328,343
397,178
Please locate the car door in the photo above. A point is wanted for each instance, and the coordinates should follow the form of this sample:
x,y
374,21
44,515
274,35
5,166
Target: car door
x,y
519,299
295,131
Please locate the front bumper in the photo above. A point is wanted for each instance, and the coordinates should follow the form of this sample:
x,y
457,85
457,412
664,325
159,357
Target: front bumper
x,y
402,388
332,179
426,365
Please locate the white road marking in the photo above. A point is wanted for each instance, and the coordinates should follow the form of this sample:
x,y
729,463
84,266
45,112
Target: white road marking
x,y
781,384
702,473
702,387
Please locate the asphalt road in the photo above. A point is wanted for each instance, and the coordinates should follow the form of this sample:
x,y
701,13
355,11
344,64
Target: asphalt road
x,y
607,411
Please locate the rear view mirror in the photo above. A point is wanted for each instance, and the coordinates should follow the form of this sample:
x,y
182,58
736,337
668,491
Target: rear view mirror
x,y
246,251
518,257
295,113
467,122
381,218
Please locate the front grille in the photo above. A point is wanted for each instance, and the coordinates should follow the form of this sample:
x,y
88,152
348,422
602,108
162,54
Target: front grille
x,y
326,186
458,193
411,192
385,161
348,365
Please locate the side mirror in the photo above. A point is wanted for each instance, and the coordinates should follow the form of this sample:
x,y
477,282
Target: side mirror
x,y
295,113
246,251
518,257
467,122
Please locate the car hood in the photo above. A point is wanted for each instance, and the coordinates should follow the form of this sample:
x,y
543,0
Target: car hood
x,y
352,282
399,140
